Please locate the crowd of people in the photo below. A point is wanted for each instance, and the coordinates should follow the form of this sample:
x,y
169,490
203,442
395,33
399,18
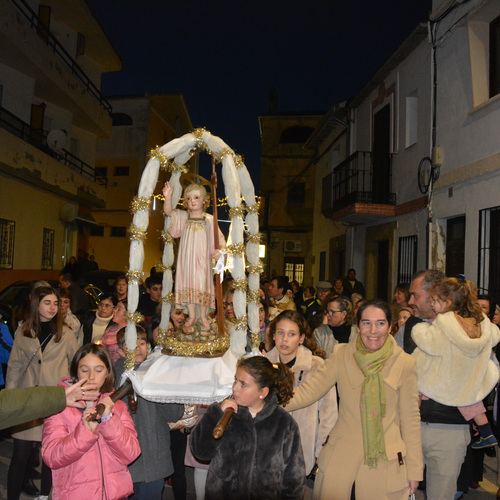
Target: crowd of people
x,y
358,395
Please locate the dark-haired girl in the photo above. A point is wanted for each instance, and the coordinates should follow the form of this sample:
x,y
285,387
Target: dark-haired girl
x,y
259,455
41,355
88,457
294,345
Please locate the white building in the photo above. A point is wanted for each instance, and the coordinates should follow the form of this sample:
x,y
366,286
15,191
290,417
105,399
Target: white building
x,y
434,105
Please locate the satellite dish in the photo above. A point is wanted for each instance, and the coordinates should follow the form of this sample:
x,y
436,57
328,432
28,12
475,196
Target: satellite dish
x,y
69,212
57,139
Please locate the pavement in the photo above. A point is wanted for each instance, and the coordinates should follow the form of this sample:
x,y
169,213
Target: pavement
x,y
487,488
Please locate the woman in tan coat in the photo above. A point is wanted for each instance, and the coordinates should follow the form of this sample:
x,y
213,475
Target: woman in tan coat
x,y
376,442
41,355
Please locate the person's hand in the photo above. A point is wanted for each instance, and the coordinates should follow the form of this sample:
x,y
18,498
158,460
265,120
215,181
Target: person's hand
x,y
216,254
108,406
229,403
412,487
91,425
76,394
167,190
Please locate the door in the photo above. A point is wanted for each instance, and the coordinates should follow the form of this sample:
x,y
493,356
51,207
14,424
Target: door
x,y
381,160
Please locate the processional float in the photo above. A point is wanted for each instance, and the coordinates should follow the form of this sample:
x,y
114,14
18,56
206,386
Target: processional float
x,y
195,369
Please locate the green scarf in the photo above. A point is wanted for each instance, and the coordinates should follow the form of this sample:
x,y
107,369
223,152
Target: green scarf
x,y
372,404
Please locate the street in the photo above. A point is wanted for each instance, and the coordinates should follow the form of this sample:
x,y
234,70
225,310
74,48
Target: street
x,y
487,489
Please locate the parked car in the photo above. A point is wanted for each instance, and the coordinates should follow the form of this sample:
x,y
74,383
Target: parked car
x,y
103,280
6,314
16,294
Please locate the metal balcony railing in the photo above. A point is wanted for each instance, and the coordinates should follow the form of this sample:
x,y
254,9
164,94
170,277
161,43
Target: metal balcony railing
x,y
61,52
38,139
352,182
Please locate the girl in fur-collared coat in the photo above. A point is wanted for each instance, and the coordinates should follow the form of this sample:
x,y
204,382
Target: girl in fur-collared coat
x,y
260,455
454,354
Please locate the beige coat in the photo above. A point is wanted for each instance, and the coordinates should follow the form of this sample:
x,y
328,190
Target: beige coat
x,y
454,369
316,421
341,460
46,368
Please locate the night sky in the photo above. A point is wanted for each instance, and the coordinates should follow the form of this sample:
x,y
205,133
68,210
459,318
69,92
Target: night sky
x,y
226,56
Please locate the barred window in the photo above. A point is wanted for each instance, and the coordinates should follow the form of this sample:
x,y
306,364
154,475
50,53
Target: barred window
x,y
407,258
7,233
48,248
488,279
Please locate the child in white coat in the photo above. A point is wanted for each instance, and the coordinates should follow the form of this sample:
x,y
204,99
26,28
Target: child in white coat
x,y
454,354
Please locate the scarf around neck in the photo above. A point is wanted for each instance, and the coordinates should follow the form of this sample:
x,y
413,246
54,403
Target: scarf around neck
x,y
372,403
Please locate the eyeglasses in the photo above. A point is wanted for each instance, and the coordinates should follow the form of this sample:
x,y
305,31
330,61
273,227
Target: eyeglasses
x,y
228,304
331,312
105,306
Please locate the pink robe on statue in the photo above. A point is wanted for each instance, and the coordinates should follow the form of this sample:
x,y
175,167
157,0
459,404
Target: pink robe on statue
x,y
194,281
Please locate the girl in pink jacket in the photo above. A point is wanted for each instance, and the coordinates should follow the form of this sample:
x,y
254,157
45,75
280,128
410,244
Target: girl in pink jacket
x,y
89,458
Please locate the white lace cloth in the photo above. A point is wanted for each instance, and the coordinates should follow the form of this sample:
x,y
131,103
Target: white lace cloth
x,y
176,379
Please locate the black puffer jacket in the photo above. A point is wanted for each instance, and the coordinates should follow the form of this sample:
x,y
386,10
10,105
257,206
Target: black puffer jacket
x,y
256,459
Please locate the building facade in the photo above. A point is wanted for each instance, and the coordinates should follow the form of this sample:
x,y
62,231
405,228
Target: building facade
x,y
415,165
287,194
51,115
140,124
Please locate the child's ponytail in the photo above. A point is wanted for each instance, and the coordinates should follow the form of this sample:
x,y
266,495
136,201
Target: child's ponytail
x,y
277,377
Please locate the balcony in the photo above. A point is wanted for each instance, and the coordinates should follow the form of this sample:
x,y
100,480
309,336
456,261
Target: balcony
x,y
61,52
38,139
357,191
34,52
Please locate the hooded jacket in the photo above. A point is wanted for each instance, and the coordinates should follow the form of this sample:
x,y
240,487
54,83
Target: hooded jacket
x,y
89,464
317,420
256,459
454,369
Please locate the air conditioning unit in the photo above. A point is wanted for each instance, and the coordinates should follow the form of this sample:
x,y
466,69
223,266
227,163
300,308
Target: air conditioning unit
x,y
293,246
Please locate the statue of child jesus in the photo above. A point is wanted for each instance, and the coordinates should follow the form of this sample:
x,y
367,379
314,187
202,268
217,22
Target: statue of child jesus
x,y
194,280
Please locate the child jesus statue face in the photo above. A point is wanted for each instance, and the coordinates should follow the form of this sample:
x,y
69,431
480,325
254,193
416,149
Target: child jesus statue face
x,y
195,201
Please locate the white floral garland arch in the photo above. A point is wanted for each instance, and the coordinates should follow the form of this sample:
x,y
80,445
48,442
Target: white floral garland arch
x,y
237,185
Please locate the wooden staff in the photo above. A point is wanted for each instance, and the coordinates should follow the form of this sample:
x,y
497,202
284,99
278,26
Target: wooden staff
x,y
218,285
223,423
124,390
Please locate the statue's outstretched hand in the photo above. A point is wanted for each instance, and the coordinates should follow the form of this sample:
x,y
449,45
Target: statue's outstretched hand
x,y
167,190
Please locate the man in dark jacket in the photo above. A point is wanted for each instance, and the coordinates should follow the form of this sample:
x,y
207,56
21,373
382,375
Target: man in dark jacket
x,y
352,285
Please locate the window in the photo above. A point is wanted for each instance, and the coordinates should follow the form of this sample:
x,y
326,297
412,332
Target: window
x,y
297,193
97,231
488,280
295,135
495,57
101,171
411,119
322,266
455,246
407,258
48,248
294,269
121,119
7,232
118,231
121,171
80,44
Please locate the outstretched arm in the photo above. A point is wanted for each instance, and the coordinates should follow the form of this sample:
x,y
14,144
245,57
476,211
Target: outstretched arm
x,y
167,204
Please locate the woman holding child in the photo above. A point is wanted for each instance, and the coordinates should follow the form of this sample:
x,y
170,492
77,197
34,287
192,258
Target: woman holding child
x,y
376,441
